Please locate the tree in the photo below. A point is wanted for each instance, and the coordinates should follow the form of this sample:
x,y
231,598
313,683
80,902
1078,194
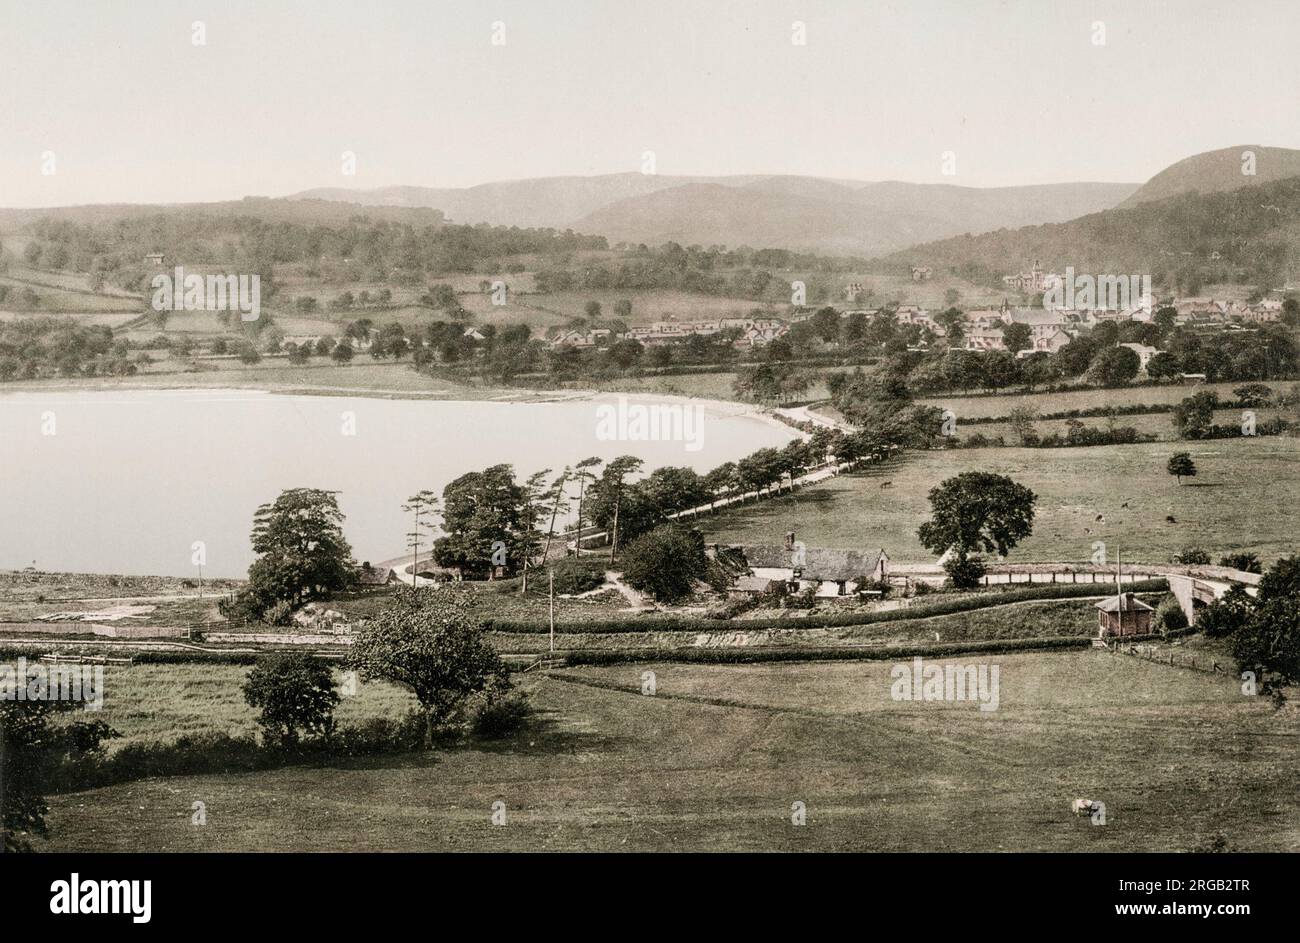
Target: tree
x,y
584,475
1194,415
427,642
483,521
665,562
1163,366
1269,645
1017,336
422,504
612,485
1191,556
342,352
31,750
1021,420
295,695
977,511
1181,466
303,553
1114,366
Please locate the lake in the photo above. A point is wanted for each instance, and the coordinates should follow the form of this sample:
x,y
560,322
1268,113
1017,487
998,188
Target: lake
x,y
126,482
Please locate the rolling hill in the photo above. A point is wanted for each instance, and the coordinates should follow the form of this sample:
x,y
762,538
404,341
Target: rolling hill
x,y
1248,235
776,211
1218,170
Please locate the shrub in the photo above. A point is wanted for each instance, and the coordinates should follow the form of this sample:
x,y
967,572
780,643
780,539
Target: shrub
x,y
572,576
501,716
964,572
1169,615
1191,556
295,694
665,563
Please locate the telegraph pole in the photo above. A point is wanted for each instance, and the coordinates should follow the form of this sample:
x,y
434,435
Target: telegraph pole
x,y
551,595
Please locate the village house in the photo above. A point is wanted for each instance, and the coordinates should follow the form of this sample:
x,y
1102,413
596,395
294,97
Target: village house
x,y
584,339
1034,280
1123,614
829,572
155,258
921,273
985,338
1046,343
1145,352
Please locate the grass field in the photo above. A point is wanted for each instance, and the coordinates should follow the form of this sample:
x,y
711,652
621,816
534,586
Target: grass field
x,y
966,407
1160,425
1242,499
717,758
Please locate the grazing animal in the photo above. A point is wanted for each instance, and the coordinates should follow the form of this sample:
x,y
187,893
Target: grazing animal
x,y
1170,519
1081,806
1124,505
1101,517
886,484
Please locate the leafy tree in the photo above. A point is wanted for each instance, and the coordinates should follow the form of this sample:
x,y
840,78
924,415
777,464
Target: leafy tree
x,y
1194,415
295,695
1282,581
665,562
1181,466
977,512
1227,614
342,352
1017,336
31,749
482,513
1114,366
427,642
608,492
302,551
1163,366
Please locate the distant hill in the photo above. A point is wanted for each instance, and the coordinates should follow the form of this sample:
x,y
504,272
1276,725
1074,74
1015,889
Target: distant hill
x,y
542,202
802,213
1214,171
1249,235
305,212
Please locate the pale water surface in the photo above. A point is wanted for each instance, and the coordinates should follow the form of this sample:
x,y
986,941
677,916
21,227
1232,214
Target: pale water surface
x,y
128,481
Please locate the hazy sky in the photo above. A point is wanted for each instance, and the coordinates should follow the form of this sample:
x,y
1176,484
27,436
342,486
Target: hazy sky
x,y
132,110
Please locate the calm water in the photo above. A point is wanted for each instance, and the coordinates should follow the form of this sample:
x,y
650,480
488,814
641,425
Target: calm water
x,y
130,480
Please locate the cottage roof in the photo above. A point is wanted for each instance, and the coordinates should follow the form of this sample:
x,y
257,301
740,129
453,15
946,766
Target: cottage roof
x,y
1128,602
820,563
375,575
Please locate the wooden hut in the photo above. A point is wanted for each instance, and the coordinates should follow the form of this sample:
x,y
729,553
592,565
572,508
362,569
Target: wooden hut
x,y
1123,614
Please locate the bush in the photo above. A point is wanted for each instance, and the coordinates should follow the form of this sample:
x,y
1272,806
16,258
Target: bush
x,y
295,694
1169,615
1191,556
665,563
501,716
572,576
964,572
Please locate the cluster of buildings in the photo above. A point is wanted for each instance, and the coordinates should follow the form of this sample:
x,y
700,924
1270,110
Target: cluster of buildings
x,y
753,332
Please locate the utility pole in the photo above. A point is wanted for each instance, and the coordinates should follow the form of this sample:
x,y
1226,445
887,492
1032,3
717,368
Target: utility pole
x,y
551,595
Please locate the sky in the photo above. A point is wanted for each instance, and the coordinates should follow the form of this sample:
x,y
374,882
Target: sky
x,y
117,100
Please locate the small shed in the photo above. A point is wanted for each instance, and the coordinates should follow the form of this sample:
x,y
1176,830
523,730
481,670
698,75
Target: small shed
x,y
1123,614
155,258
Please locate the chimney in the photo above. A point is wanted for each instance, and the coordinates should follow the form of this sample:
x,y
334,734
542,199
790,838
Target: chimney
x,y
789,540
